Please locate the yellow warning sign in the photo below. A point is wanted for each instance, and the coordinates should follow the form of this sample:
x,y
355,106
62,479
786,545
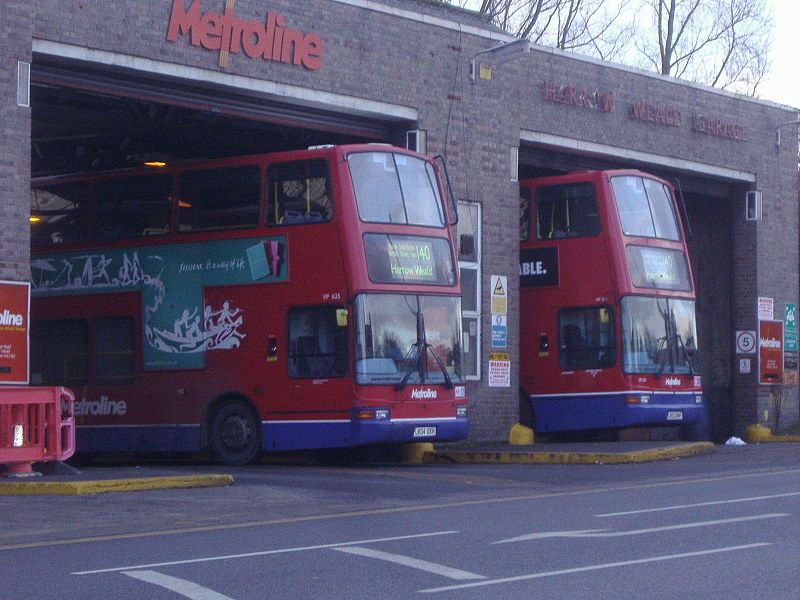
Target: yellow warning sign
x,y
499,287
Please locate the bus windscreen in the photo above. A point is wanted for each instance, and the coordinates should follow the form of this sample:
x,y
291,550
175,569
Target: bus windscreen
x,y
407,339
659,336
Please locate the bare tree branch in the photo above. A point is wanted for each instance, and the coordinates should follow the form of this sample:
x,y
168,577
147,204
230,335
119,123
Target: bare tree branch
x,y
724,43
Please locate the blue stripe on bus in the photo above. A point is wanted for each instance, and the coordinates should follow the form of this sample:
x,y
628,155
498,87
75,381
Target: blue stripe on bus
x,y
145,438
608,410
277,436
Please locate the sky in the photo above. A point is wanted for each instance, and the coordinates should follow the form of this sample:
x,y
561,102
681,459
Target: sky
x,y
783,85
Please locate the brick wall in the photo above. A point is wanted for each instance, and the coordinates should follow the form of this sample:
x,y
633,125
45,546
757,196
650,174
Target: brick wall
x,y
15,126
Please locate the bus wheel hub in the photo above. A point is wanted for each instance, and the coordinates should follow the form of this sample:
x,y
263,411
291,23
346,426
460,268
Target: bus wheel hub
x,y
236,432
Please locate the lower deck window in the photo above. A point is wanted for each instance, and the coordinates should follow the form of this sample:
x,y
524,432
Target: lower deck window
x,y
317,347
113,350
586,338
60,351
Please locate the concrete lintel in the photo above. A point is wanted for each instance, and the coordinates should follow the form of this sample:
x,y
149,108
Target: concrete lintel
x,y
271,89
586,147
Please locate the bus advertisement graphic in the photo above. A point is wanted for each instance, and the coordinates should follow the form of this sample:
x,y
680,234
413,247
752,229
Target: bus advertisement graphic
x,y
14,311
538,267
178,327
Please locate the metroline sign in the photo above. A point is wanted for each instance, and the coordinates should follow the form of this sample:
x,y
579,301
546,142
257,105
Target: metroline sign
x,y
226,33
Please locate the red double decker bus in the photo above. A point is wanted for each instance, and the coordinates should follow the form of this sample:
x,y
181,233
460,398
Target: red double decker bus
x,y
297,300
607,307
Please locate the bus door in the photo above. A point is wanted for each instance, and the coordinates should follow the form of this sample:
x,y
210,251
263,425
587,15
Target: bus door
x,y
318,386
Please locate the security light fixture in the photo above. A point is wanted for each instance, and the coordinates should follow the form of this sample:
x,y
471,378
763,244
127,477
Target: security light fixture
x,y
778,132
502,53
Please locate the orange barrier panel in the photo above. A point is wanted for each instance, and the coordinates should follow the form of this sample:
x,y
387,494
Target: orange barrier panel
x,y
36,424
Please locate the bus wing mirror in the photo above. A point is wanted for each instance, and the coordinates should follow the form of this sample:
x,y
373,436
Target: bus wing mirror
x,y
341,317
466,244
451,199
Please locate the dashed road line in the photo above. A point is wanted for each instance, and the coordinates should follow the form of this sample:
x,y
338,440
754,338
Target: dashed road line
x,y
610,534
414,563
698,505
263,553
588,568
187,589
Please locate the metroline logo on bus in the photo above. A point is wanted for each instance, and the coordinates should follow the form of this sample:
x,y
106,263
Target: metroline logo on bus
x,y
228,34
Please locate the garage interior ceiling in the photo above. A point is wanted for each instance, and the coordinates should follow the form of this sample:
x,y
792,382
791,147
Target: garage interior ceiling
x,y
542,161
90,119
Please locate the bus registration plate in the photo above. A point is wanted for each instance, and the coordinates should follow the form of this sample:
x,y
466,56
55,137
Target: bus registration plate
x,y
424,431
675,415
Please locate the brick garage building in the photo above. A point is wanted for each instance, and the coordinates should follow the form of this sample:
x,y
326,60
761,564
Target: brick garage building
x,y
393,66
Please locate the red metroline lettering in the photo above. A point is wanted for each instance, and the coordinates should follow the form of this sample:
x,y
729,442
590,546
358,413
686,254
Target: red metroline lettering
x,y
227,33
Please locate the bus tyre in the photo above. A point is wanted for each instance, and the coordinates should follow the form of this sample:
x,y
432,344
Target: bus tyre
x,y
235,433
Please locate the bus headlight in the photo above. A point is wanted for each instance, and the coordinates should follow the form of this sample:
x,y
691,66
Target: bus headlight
x,y
461,412
637,399
372,414
698,399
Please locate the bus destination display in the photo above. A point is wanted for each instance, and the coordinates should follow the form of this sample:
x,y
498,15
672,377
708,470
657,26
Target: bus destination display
x,y
408,259
658,268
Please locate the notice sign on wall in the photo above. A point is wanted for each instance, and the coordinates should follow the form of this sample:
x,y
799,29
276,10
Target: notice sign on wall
x,y
770,352
14,311
499,369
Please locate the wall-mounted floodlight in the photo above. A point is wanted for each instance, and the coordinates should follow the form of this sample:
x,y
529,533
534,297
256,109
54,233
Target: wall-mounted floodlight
x,y
502,53
778,132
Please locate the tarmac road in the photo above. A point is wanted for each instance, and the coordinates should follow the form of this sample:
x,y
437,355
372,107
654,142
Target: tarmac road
x,y
722,525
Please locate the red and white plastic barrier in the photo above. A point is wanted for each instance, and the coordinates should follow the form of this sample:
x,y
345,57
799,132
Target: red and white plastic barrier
x,y
36,424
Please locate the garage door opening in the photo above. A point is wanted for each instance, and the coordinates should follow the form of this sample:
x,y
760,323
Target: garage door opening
x,y
88,118
707,200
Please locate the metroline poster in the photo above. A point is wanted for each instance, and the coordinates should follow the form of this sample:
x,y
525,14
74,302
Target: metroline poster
x,y
14,312
770,352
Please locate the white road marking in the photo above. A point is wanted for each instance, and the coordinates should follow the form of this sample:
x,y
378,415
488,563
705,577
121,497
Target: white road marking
x,y
263,553
698,504
598,567
185,588
414,563
604,533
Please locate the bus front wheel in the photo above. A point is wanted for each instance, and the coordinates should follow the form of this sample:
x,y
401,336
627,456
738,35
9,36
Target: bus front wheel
x,y
235,433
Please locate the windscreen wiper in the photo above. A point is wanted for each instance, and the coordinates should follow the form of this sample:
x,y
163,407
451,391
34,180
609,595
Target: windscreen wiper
x,y
412,364
447,380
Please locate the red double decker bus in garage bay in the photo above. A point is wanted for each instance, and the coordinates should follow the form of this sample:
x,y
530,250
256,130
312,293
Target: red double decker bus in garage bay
x,y
607,336
299,300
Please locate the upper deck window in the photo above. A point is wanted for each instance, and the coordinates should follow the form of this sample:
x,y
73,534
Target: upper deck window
x,y
395,188
645,208
298,192
58,214
131,206
566,211
524,214
219,198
